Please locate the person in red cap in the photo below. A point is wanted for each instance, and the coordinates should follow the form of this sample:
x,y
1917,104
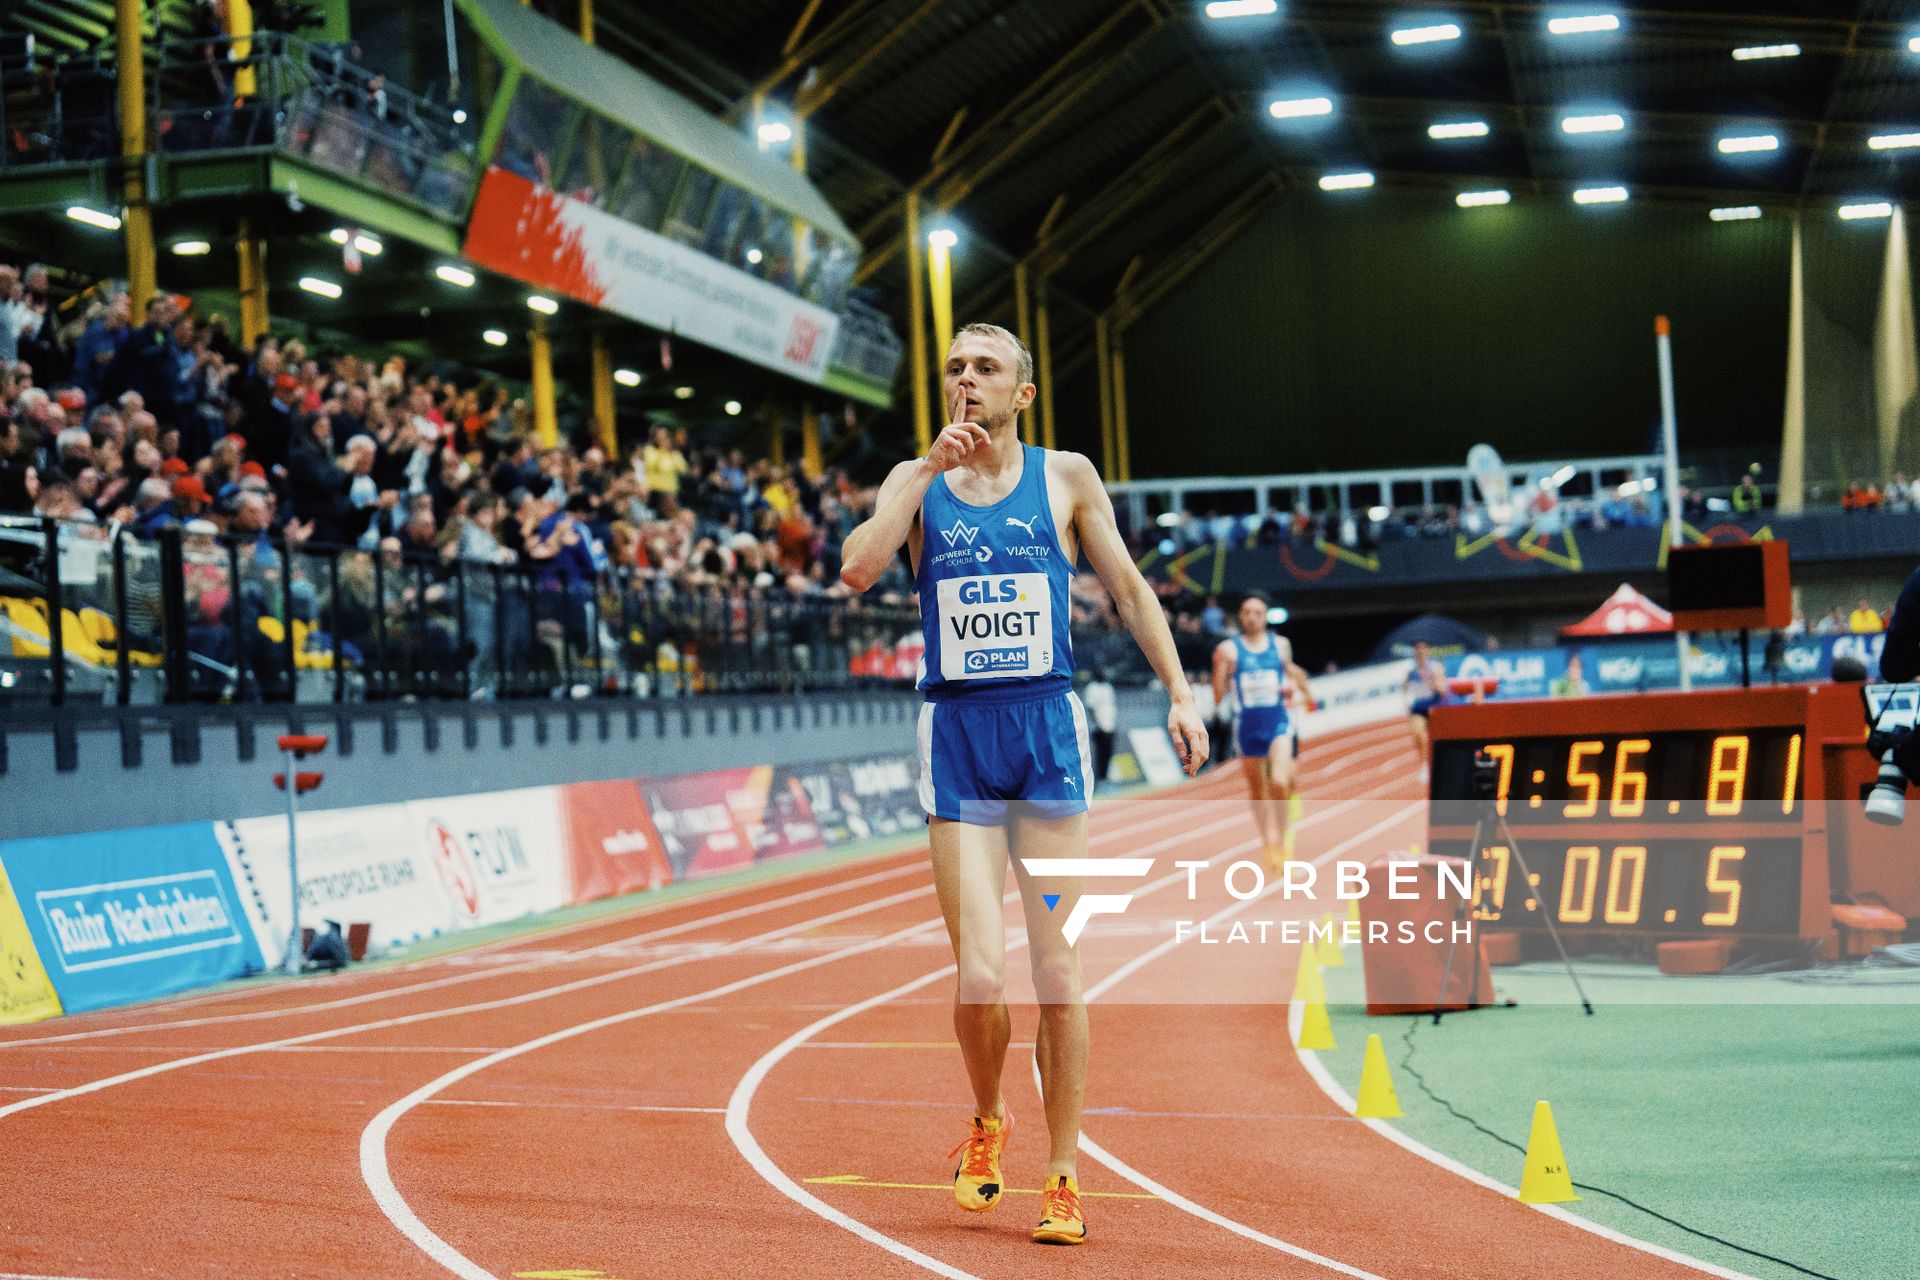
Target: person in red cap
x,y
175,467
190,497
252,469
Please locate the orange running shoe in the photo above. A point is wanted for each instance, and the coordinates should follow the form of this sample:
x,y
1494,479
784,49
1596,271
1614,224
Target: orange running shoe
x,y
1062,1223
977,1184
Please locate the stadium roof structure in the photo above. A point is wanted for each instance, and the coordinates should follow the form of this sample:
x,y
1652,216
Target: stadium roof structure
x,y
1109,145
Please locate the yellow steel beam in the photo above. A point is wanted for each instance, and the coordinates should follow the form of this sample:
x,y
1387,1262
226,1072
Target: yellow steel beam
x,y
816,95
1122,441
1202,246
137,223
1023,309
606,425
253,284
800,28
1044,355
1160,162
806,54
586,21
917,328
546,420
946,138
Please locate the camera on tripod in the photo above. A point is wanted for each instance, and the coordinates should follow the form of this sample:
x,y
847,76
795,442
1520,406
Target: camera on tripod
x,y
1484,782
1893,737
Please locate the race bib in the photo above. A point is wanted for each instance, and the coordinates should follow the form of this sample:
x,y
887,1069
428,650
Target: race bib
x,y
995,625
1260,687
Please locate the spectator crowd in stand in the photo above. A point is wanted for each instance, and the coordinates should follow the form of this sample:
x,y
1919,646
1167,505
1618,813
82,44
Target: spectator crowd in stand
x,y
165,419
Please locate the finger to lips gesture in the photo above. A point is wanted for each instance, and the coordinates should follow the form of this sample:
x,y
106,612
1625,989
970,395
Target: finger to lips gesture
x,y
960,439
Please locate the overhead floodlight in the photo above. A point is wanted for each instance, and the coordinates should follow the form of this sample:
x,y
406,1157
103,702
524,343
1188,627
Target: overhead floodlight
x,y
1426,35
1584,24
368,245
774,132
1599,195
325,288
455,275
1893,141
1458,129
1377,514
683,393
1754,52
1346,182
1735,213
1871,209
626,377
338,235
1749,143
1167,519
733,408
1299,108
93,217
459,115
943,238
1481,199
1609,122
1633,488
1242,8
1913,45
1561,476
494,338
542,303
191,248
755,257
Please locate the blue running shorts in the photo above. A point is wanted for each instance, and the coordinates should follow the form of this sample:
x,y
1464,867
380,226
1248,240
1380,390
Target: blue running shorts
x,y
984,753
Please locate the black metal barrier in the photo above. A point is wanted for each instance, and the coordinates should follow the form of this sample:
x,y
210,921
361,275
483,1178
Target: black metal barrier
x,y
93,613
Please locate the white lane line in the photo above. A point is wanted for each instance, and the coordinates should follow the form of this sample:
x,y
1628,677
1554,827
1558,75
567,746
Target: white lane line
x,y
1345,1101
374,1170
22,1088
740,1105
839,886
1152,1185
544,993
23,1275
574,1106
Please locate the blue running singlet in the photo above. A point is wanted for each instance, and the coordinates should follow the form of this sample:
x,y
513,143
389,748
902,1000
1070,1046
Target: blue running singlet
x,y
1260,687
1001,725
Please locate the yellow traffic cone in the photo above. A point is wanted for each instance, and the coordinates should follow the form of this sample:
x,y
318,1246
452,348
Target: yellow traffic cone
x,y
1315,1031
1308,986
1332,954
1378,1101
1545,1179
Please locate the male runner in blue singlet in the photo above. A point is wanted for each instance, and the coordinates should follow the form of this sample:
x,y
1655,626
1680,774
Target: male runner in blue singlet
x,y
994,529
1259,668
1426,689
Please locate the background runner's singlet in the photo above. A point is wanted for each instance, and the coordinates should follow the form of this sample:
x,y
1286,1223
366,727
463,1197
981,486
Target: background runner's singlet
x,y
1260,683
993,590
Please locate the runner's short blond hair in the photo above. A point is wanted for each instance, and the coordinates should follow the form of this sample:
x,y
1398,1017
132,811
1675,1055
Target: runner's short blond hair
x,y
1023,366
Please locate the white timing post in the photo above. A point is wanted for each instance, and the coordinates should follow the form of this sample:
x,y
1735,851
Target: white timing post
x,y
1669,439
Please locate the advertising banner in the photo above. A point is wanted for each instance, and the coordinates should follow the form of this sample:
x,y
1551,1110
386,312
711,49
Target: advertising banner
x,y
859,799
1523,673
731,818
355,865
1154,750
1364,695
119,916
568,246
496,856
612,847
26,993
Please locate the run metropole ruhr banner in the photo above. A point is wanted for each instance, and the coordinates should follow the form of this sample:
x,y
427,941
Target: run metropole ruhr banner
x,y
567,246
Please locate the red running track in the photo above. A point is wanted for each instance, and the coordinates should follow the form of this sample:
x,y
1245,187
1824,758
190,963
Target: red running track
x,y
756,1081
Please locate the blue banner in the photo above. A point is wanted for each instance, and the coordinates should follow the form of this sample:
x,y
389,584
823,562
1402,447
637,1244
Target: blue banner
x,y
1642,663
120,916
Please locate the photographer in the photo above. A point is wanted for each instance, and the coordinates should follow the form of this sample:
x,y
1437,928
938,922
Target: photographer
x,y
1900,660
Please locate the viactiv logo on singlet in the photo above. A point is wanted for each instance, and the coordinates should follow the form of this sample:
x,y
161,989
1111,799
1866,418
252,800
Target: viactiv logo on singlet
x,y
995,625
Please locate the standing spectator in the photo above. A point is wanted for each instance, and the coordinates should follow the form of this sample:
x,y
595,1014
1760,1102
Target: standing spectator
x,y
106,329
1103,711
1864,620
145,362
1747,498
663,465
18,318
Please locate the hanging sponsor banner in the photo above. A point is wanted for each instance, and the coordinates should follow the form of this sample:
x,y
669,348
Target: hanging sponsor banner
x,y
26,993
119,916
495,856
612,847
355,865
859,799
731,818
567,246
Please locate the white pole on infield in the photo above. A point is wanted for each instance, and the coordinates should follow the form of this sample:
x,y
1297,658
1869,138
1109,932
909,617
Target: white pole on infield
x,y
293,865
1669,436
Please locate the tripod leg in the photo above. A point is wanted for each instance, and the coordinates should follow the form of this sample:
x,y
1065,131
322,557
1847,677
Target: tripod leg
x,y
1540,908
1459,912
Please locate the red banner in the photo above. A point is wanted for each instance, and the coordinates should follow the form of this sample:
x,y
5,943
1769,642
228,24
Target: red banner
x,y
716,822
612,845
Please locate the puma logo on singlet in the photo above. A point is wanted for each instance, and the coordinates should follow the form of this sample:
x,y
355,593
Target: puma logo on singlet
x,y
1026,524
